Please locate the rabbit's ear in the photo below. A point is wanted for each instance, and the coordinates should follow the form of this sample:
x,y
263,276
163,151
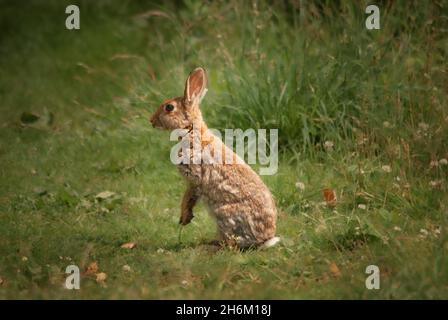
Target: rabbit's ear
x,y
196,86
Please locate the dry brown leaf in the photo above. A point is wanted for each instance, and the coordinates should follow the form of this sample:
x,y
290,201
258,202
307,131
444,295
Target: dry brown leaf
x,y
1,281
101,277
104,195
128,245
123,56
329,196
153,13
92,268
334,269
93,111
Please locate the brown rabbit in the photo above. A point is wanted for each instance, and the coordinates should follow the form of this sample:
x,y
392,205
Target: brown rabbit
x,y
236,196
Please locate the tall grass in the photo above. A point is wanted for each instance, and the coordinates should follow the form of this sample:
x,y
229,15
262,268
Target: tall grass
x,y
312,70
323,76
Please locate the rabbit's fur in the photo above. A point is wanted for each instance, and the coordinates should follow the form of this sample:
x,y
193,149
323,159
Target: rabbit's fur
x,y
236,196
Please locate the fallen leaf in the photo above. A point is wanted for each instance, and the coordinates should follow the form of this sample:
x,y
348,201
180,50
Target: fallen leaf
x,y
40,191
101,277
362,206
104,195
1,281
42,121
329,196
433,164
29,117
334,269
128,245
92,268
93,111
152,13
436,183
123,56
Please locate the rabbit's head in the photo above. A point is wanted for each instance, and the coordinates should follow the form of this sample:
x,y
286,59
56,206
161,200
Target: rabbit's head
x,y
183,112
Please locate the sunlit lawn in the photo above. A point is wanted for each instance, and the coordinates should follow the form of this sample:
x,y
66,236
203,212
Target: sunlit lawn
x,y
361,113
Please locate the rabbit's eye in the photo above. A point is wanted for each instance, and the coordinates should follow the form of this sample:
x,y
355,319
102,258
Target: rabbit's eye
x,y
169,107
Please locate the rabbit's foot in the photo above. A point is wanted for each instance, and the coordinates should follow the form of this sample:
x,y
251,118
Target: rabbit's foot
x,y
212,246
215,242
186,218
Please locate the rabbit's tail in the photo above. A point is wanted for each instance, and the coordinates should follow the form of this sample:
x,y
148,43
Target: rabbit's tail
x,y
270,243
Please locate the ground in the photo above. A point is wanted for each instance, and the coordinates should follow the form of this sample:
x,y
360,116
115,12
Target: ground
x,y
360,112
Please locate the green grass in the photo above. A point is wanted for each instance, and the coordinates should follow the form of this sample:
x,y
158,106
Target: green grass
x,y
315,73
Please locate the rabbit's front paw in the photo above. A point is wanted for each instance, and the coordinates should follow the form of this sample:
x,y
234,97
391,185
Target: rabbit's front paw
x,y
186,218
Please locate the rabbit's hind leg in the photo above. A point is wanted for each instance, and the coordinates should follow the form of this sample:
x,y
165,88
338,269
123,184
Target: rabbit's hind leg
x,y
236,232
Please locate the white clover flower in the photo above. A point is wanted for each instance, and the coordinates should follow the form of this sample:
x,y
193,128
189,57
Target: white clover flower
x,y
362,206
184,283
435,183
434,163
300,186
386,168
424,126
443,162
329,145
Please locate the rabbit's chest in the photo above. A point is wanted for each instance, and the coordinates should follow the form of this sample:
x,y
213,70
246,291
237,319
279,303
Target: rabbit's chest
x,y
192,172
190,167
